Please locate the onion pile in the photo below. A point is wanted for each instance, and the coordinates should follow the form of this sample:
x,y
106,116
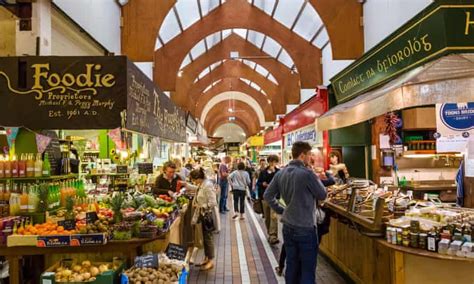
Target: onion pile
x,y
86,272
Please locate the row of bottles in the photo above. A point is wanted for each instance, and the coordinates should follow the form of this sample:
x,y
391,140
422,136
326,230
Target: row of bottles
x,y
25,198
28,165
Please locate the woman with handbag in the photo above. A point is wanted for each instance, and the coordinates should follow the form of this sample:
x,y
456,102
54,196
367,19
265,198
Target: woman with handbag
x,y
240,182
204,204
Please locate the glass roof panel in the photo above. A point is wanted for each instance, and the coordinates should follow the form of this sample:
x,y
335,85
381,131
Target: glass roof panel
x,y
321,39
308,23
186,61
251,64
255,86
203,73
256,38
265,5
271,78
170,28
245,81
198,49
271,47
241,32
213,39
260,69
158,44
285,59
207,5
287,11
188,12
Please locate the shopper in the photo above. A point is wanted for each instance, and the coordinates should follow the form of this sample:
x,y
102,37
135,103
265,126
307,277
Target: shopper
x,y
262,165
240,181
250,171
264,180
224,184
300,188
167,182
204,204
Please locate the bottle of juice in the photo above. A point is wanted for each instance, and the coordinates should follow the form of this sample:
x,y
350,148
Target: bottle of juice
x,y
2,194
14,204
46,166
22,166
6,193
2,167
24,200
7,167
38,166
30,166
14,166
32,199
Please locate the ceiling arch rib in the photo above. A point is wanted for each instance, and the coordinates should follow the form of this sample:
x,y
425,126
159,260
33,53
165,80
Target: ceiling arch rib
x,y
219,114
263,42
233,96
252,64
297,15
236,69
306,57
235,84
288,81
231,132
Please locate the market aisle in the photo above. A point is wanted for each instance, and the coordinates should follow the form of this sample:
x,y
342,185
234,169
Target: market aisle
x,y
244,256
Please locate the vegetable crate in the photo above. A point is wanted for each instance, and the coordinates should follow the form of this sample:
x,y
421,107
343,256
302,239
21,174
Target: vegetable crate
x,y
107,277
183,278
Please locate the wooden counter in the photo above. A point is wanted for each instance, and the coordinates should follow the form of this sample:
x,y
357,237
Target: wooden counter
x,y
372,260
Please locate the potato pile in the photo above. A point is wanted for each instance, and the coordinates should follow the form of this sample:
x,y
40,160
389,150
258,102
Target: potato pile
x,y
85,272
167,273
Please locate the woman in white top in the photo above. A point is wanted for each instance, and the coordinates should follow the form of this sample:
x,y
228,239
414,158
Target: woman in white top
x,y
240,181
204,204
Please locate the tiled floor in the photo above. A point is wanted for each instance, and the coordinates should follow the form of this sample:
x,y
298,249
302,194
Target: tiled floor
x,y
246,238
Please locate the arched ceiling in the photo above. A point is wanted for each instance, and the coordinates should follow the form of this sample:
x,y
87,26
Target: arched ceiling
x,y
241,111
255,54
233,97
231,132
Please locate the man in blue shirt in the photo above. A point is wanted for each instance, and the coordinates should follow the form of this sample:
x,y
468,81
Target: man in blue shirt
x,y
299,188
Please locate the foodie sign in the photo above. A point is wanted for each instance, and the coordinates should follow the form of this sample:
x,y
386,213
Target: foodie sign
x,y
446,26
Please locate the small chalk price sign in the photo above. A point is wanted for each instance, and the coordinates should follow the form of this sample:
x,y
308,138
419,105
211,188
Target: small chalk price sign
x,y
67,224
175,251
91,217
145,168
147,261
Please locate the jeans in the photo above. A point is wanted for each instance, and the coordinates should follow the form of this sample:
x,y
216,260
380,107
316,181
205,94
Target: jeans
x,y
239,198
224,184
271,221
301,246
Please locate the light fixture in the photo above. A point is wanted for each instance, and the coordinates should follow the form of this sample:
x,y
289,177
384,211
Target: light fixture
x,y
180,73
230,110
231,118
269,101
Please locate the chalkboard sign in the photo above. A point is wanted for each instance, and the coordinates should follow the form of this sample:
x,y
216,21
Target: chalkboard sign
x,y
54,151
147,261
122,169
145,168
175,251
91,217
68,224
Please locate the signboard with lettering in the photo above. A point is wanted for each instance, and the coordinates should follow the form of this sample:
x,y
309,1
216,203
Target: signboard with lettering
x,y
307,134
191,123
150,111
47,92
175,251
454,126
446,26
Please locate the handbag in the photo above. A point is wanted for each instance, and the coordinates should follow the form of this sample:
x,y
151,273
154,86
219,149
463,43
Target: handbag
x,y
207,221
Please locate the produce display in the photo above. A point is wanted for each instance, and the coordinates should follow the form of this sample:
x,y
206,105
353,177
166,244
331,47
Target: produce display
x,y
168,271
68,271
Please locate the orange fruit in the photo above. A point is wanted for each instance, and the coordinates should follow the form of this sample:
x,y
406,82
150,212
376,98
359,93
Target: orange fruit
x,y
60,229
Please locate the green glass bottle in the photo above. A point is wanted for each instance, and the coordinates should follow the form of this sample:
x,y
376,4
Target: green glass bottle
x,y
46,166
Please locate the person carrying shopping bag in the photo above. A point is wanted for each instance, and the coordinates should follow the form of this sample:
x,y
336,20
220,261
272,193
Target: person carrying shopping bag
x,y
204,204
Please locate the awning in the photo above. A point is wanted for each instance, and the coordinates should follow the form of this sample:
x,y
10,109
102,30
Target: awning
x,y
449,79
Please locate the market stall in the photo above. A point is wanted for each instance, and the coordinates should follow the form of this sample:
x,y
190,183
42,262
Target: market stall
x,y
77,168
273,143
298,125
398,101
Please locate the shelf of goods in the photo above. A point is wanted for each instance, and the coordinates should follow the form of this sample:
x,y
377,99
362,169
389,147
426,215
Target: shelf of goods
x,y
424,241
121,225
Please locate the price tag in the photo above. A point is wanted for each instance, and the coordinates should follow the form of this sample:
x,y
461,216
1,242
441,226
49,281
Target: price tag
x,y
91,217
122,169
150,260
145,168
175,251
68,224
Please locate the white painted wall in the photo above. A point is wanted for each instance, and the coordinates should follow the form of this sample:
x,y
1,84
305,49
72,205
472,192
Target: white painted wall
x,y
330,66
100,18
67,39
382,17
230,132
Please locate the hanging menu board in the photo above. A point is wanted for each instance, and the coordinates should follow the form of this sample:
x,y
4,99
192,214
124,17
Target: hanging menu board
x,y
54,151
49,92
149,110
